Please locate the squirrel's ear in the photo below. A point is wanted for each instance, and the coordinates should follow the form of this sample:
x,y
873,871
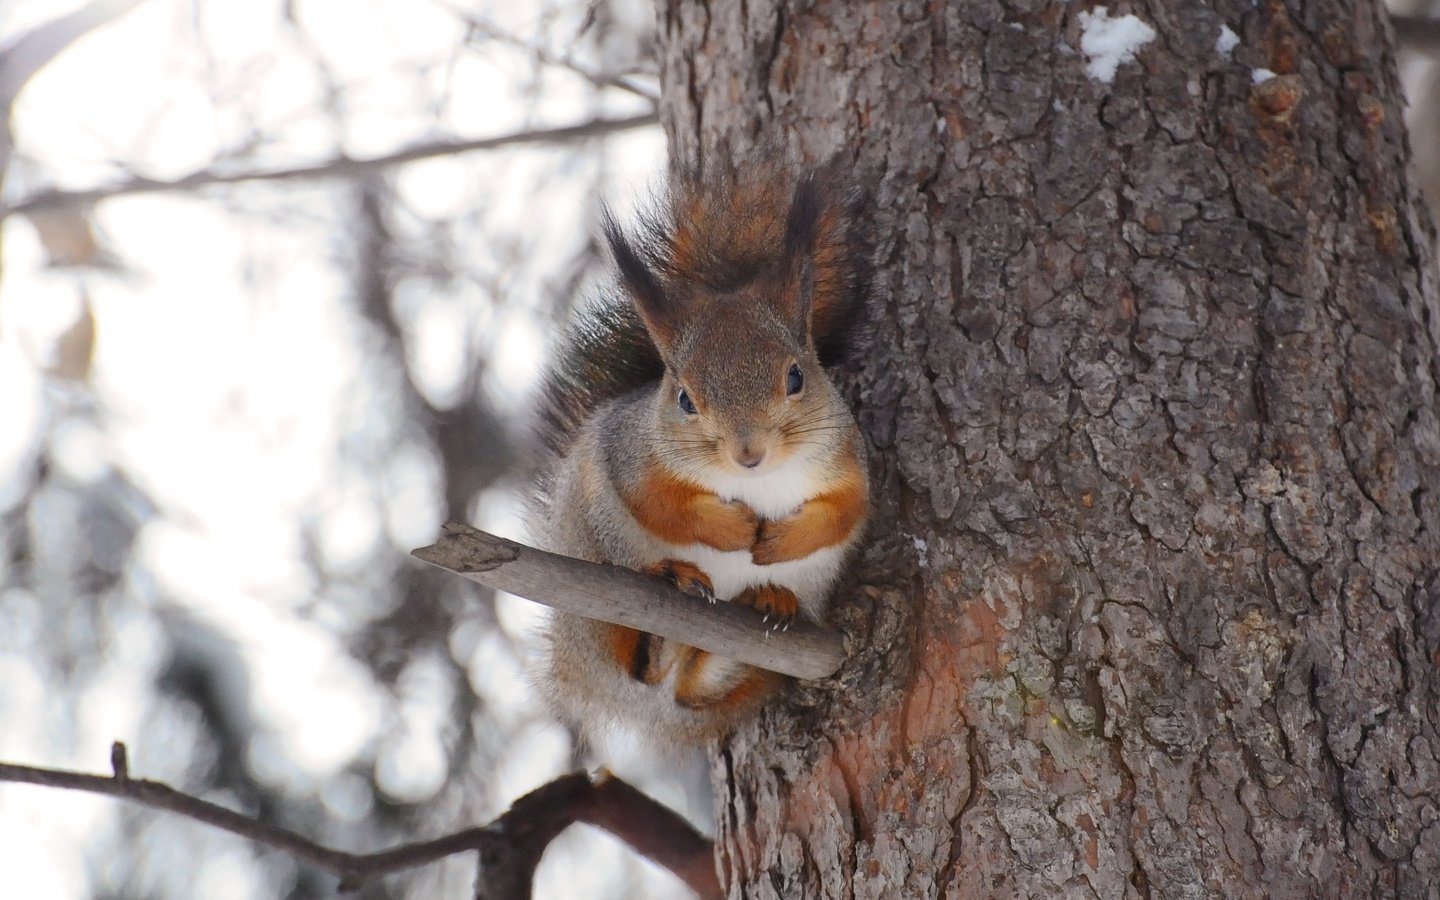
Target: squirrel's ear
x,y
640,283
802,226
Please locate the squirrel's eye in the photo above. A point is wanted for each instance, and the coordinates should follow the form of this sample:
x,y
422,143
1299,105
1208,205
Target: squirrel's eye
x,y
686,404
794,380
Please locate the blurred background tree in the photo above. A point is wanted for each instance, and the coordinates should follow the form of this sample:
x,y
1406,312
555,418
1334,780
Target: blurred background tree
x,y
268,317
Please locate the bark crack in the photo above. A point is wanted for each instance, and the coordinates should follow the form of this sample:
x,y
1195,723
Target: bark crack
x,y
952,868
767,65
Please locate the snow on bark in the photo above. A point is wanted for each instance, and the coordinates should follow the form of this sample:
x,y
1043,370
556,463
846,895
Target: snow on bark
x,y
1109,43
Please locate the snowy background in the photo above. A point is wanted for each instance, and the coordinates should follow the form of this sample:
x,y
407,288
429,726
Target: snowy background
x,y
227,414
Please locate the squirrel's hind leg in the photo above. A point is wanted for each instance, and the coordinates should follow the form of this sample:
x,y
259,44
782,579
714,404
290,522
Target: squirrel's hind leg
x,y
643,656
709,682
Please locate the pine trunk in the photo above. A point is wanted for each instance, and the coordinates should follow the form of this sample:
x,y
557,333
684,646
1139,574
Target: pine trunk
x,y
1151,605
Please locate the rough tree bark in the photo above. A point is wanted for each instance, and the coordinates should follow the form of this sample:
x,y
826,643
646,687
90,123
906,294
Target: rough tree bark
x,y
1150,607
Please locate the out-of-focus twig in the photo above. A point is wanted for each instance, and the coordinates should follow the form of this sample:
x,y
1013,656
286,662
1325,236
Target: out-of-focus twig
x,y
509,847
336,167
1418,33
500,36
27,54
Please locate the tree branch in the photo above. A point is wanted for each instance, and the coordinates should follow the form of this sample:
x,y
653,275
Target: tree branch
x,y
624,597
651,830
22,57
336,167
27,54
544,58
1419,33
509,847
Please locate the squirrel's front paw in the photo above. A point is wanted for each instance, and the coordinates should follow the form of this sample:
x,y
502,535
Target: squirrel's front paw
x,y
729,525
688,577
779,541
780,605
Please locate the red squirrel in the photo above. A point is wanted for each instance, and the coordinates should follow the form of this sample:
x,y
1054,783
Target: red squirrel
x,y
695,435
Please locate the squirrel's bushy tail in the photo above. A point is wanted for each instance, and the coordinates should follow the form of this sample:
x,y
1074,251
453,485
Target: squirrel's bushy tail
x,y
716,233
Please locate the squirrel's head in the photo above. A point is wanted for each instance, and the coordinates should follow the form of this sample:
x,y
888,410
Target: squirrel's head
x,y
743,388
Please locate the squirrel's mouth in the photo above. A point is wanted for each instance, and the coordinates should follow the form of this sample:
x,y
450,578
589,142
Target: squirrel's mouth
x,y
752,453
748,458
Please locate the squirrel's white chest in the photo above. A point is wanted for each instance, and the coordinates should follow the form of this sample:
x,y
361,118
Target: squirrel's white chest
x,y
732,572
774,494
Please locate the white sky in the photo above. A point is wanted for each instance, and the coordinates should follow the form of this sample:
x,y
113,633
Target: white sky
x,y
226,366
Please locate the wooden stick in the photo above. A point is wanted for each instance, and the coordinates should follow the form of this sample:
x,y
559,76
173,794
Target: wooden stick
x,y
624,597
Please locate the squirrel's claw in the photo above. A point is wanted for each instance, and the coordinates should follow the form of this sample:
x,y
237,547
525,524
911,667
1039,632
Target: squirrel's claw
x,y
687,577
779,605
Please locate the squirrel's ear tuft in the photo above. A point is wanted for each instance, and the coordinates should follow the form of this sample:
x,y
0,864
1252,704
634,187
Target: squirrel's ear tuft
x,y
640,282
802,226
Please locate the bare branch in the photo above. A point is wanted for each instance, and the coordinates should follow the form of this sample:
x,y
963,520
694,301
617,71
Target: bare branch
x,y
654,831
625,597
540,55
157,795
337,167
509,847
27,54
1418,33
651,829
32,51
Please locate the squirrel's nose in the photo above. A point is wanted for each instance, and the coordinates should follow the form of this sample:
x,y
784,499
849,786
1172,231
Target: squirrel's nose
x,y
748,457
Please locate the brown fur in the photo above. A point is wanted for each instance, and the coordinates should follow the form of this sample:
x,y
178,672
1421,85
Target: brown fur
x,y
694,690
775,602
823,522
726,284
688,577
631,650
681,513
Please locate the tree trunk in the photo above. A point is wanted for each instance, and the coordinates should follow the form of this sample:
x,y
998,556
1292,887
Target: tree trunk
x,y
1151,603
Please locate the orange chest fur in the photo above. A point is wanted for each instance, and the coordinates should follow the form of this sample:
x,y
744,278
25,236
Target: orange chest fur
x,y
680,512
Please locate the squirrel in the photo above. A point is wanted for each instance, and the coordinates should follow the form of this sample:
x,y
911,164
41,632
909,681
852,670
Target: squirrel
x,y
693,433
